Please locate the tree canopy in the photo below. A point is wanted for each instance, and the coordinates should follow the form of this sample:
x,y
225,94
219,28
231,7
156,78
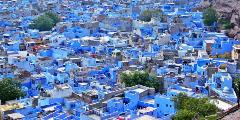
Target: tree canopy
x,y
9,90
147,15
236,86
45,22
226,24
141,78
53,16
198,106
209,16
224,56
184,115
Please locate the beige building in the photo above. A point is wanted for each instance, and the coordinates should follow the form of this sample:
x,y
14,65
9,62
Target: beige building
x,y
236,52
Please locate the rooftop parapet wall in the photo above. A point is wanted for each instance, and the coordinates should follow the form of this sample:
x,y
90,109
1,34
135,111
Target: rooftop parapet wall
x,y
147,91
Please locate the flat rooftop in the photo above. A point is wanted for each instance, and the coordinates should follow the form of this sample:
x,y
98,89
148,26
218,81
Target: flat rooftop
x,y
150,101
94,117
139,90
11,107
210,41
236,46
221,104
146,117
16,116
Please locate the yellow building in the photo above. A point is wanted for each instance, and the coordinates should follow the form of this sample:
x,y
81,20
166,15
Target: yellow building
x,y
9,107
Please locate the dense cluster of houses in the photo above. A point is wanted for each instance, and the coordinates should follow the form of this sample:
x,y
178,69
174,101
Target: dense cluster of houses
x,y
73,71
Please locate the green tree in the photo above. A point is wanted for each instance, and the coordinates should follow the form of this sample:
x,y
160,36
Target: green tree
x,y
223,66
45,22
226,24
179,101
42,23
206,109
224,56
211,117
236,86
141,78
209,16
201,106
53,16
184,115
147,15
9,90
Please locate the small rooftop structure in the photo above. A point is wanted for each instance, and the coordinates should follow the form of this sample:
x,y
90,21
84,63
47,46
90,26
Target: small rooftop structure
x,y
63,86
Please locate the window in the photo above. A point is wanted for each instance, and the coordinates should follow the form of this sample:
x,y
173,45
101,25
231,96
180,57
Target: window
x,y
157,105
72,106
170,106
166,105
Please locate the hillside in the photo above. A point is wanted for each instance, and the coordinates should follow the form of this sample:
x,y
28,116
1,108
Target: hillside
x,y
227,9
